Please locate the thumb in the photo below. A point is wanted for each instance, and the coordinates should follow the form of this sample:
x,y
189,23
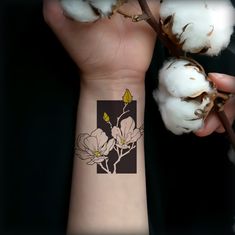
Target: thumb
x,y
53,14
223,82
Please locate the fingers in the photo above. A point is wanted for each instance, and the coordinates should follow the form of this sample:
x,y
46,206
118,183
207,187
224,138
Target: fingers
x,y
223,82
53,15
213,124
229,109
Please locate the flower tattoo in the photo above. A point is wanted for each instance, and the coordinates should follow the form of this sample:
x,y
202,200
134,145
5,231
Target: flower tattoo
x,y
94,147
108,147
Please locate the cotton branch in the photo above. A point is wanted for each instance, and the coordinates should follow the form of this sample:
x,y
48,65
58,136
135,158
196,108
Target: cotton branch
x,y
177,52
226,124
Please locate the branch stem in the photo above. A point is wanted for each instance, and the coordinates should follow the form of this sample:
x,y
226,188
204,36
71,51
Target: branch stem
x,y
120,156
110,124
177,52
123,112
107,171
227,126
106,164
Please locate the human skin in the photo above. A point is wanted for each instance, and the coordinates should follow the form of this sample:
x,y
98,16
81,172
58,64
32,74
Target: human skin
x,y
212,124
112,55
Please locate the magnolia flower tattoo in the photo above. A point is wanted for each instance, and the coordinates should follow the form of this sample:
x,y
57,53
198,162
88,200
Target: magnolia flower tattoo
x,y
110,146
94,147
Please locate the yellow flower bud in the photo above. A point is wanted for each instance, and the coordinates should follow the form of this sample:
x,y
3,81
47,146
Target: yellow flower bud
x,y
106,117
127,97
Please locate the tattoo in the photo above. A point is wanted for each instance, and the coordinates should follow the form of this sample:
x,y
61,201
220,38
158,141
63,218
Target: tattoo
x,y
112,146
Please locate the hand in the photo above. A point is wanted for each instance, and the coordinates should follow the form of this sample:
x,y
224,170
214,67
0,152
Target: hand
x,y
106,46
225,83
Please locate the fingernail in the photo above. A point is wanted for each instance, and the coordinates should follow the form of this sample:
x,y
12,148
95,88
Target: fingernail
x,y
216,75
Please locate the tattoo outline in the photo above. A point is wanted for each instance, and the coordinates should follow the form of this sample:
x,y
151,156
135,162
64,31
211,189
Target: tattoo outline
x,y
97,146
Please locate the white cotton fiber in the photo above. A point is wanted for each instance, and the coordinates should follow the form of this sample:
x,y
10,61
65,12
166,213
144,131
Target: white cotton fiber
x,y
182,101
199,25
183,79
105,6
179,116
79,10
89,10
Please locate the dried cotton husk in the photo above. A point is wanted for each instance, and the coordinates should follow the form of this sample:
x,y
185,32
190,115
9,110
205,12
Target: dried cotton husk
x,y
198,26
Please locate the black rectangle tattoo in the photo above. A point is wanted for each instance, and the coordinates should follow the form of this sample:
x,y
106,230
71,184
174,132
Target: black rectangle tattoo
x,y
121,124
112,146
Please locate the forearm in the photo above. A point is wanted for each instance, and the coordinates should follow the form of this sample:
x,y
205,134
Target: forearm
x,y
109,197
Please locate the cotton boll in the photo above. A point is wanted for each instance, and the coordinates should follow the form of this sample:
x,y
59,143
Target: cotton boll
x,y
198,26
79,10
179,115
106,6
222,14
184,78
90,10
161,94
183,102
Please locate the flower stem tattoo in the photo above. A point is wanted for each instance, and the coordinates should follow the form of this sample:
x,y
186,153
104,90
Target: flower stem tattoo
x,y
112,146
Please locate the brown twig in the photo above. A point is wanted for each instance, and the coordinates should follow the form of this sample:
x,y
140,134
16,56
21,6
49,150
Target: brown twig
x,y
177,52
226,124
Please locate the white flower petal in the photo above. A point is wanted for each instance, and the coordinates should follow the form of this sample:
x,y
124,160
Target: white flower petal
x,y
124,146
91,162
119,139
109,147
99,159
104,147
128,137
116,132
91,143
127,126
135,135
82,154
80,141
101,137
89,152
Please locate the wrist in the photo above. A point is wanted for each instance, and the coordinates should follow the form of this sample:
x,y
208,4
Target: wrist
x,y
109,85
